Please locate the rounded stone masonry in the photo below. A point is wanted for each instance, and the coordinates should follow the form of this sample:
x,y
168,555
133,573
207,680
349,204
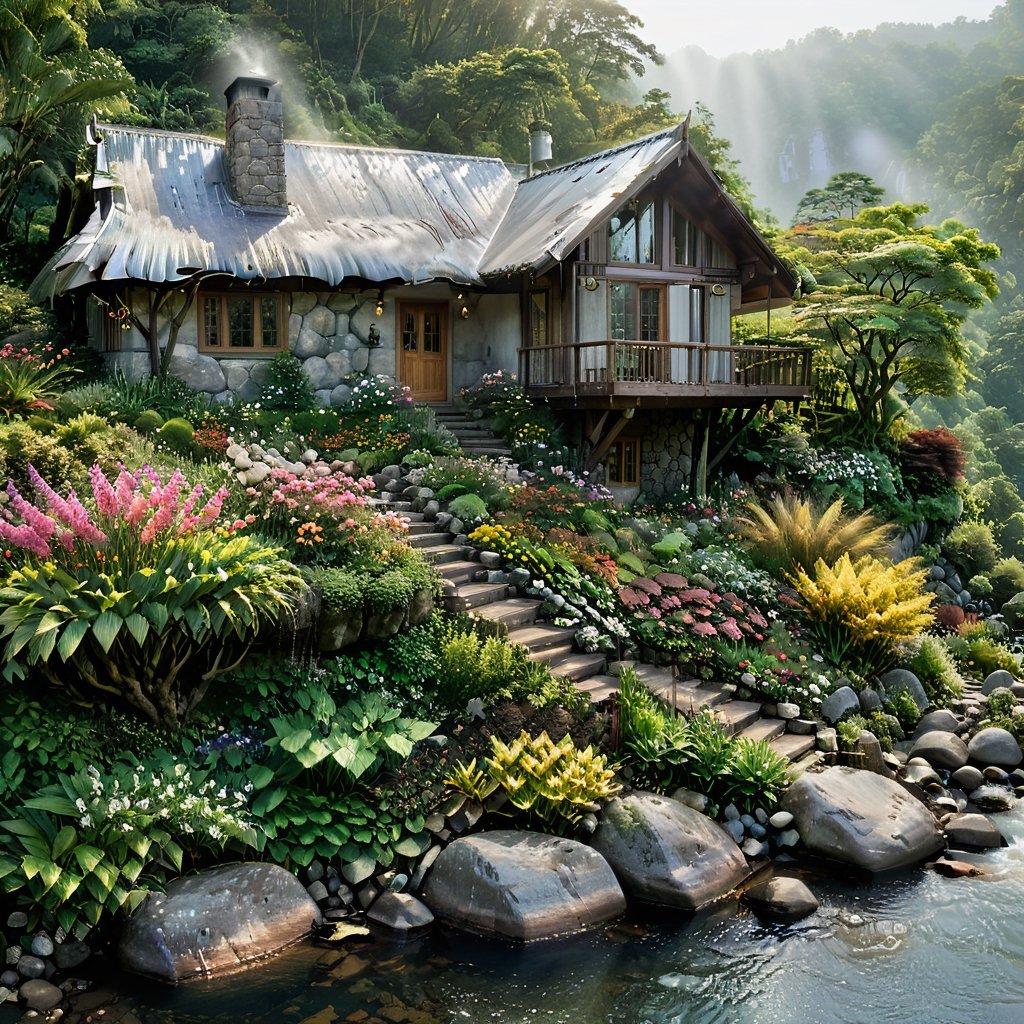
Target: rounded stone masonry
x,y
522,886
862,819
667,853
216,921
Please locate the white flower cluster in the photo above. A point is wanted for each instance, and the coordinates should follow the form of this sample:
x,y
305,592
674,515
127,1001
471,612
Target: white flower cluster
x,y
834,466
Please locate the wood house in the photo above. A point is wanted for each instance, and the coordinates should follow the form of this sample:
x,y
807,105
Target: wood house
x,y
607,284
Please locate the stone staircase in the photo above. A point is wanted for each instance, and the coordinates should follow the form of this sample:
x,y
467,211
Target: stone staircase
x,y
500,610
474,436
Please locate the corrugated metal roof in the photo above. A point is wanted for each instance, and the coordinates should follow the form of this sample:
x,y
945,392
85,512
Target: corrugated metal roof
x,y
552,211
375,214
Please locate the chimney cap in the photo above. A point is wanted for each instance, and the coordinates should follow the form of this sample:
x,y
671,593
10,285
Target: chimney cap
x,y
256,86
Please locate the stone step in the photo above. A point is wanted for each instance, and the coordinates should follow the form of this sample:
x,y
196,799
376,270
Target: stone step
x,y
576,666
430,540
460,571
542,637
419,528
444,555
736,715
763,729
385,504
690,694
792,746
471,596
598,687
499,619
548,654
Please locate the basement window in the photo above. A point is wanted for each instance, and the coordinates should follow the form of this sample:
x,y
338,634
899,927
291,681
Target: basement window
x,y
251,323
622,464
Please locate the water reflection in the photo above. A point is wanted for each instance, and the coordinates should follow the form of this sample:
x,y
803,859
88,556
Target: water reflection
x,y
914,949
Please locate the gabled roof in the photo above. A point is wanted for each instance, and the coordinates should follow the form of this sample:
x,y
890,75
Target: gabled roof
x,y
354,212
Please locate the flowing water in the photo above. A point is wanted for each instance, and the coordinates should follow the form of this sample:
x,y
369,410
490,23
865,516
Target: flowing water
x,y
913,949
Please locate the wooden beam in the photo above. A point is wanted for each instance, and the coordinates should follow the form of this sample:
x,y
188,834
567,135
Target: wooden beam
x,y
608,440
595,435
745,416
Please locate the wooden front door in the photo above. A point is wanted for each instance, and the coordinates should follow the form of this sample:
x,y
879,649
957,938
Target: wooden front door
x,y
423,349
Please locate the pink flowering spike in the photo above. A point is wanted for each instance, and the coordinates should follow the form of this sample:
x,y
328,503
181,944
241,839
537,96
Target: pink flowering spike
x,y
106,497
136,510
37,521
149,531
125,487
190,502
25,538
81,524
56,504
212,508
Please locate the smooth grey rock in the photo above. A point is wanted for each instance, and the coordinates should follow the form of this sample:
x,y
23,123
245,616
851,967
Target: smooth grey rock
x,y
317,891
522,886
900,680
698,801
802,726
42,945
320,319
786,899
860,818
973,830
921,774
781,820
967,778
17,920
789,838
667,853
40,995
787,711
70,954
995,746
871,750
870,700
839,703
735,829
754,849
31,967
201,373
217,920
731,813
1000,679
400,912
941,750
997,775
942,720
9,979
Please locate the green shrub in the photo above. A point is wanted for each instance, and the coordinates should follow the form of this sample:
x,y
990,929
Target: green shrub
x,y
979,586
1001,703
177,433
554,784
755,775
1007,577
468,507
929,659
972,548
905,709
148,422
287,385
450,491
977,652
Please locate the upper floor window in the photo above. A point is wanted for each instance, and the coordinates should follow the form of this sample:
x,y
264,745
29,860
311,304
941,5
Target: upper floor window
x,y
692,247
631,234
233,323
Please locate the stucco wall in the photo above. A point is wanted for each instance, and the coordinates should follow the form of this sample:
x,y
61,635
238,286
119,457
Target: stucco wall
x,y
488,340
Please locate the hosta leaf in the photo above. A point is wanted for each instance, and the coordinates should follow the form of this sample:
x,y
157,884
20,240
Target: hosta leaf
x,y
72,636
105,628
88,857
138,627
64,841
260,776
411,846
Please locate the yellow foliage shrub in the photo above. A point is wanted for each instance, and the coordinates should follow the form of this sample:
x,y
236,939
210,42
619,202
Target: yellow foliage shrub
x,y
860,610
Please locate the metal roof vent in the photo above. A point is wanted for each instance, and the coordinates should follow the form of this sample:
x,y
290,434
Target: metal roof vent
x,y
540,143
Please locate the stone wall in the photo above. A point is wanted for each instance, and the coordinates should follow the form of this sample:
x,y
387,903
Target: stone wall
x,y
666,454
254,147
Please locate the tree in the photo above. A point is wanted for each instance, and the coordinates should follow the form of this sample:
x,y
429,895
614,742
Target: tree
x,y
47,75
887,300
847,191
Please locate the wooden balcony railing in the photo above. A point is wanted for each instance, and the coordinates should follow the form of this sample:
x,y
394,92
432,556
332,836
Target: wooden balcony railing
x,y
631,367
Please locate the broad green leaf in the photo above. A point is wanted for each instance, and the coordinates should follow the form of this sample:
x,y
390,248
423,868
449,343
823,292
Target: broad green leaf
x,y
88,857
65,840
72,636
105,629
138,627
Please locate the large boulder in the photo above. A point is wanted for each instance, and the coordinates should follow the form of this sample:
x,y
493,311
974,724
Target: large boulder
x,y
839,703
667,853
862,819
522,886
900,680
1000,679
216,921
941,750
995,746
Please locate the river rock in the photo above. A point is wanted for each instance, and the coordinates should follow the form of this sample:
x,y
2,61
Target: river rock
x,y
1000,679
870,700
839,703
901,680
217,920
973,830
941,750
42,945
942,720
70,954
522,886
995,746
40,995
400,912
967,778
667,853
31,967
992,798
786,899
860,818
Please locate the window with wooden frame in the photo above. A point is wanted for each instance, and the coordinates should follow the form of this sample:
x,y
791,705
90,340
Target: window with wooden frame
x,y
692,247
631,235
622,464
236,323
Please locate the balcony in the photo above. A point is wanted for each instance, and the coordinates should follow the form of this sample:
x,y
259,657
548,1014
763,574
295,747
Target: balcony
x,y
620,374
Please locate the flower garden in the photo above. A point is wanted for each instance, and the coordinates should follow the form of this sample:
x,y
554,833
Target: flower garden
x,y
219,645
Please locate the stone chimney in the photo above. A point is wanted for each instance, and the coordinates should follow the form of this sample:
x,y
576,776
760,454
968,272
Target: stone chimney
x,y
254,150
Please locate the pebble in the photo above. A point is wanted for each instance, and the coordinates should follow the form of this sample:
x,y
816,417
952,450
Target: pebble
x,y
17,920
9,979
315,871
731,813
754,848
42,945
735,828
967,778
994,774
40,995
762,816
787,712
317,891
789,838
781,820
758,831
748,820
13,954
